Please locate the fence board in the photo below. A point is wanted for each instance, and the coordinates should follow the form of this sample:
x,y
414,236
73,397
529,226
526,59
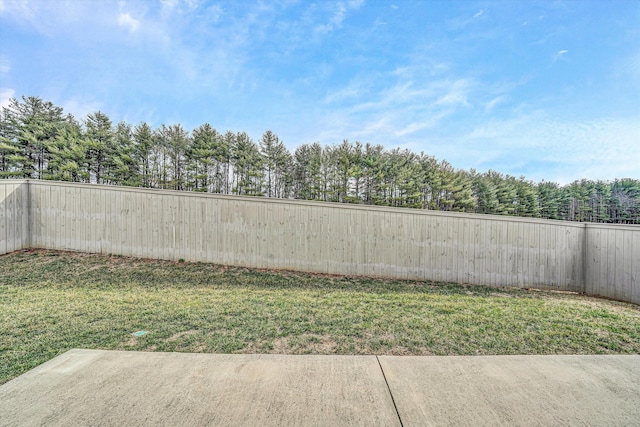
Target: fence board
x,y
36,214
12,219
14,215
5,220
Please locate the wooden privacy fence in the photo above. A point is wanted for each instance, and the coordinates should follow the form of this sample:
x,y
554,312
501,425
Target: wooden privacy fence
x,y
322,237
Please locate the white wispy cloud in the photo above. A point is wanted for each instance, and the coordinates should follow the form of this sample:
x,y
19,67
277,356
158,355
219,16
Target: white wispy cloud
x,y
401,108
80,107
74,20
389,108
340,11
126,20
355,90
457,93
569,149
5,66
169,3
193,4
5,95
427,123
493,102
462,21
181,6
22,11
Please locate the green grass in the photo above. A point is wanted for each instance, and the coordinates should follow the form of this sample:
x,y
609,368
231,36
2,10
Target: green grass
x,y
51,302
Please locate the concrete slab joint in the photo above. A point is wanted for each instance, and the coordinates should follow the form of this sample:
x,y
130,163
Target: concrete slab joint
x,y
114,388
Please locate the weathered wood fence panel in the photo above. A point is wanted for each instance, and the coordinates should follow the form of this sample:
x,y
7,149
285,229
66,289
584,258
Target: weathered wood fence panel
x,y
14,215
612,261
308,236
322,237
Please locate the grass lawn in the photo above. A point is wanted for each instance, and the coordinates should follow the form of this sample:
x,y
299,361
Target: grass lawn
x,y
51,302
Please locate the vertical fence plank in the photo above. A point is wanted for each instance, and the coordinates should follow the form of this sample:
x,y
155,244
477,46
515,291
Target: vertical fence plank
x,y
611,264
12,217
373,243
36,207
5,220
561,250
592,263
51,219
115,227
478,251
618,273
134,205
195,232
228,234
435,253
26,215
467,252
632,283
624,284
75,236
221,208
604,265
520,279
211,225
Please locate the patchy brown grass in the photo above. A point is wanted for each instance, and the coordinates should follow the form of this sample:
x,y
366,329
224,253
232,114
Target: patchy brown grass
x,y
51,302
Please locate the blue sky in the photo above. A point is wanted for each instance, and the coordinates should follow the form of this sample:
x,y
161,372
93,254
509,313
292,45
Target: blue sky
x,y
549,90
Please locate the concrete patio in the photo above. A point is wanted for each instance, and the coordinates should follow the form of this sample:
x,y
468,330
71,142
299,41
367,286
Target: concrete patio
x,y
114,388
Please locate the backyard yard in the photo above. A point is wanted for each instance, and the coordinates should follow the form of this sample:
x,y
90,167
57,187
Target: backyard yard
x,y
52,301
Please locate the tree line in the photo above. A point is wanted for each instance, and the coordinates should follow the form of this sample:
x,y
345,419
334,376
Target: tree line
x,y
39,141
